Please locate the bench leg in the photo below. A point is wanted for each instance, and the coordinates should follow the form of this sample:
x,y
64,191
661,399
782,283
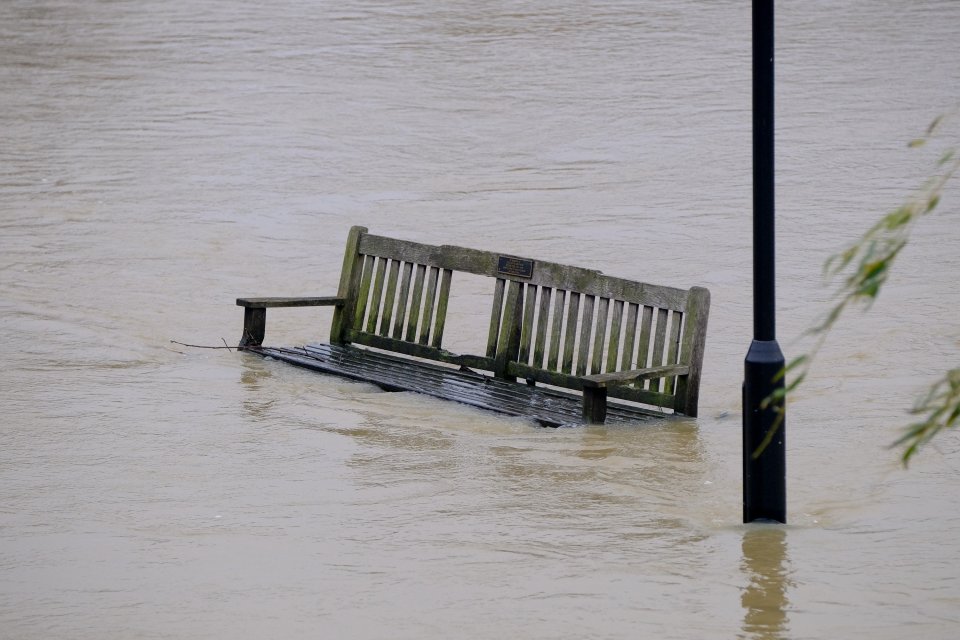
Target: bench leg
x,y
594,405
254,327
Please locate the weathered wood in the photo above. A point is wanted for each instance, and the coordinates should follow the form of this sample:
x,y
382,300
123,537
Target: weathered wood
x,y
628,340
546,326
599,336
595,405
620,377
673,347
658,344
416,302
496,313
364,292
428,302
551,274
526,332
349,282
419,350
441,319
568,381
389,298
402,301
586,325
570,332
377,296
643,346
614,350
556,328
694,340
542,318
254,326
508,344
264,303
545,406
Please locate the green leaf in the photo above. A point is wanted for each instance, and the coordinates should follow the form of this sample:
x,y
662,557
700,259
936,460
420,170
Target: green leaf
x,y
793,364
918,142
953,416
898,217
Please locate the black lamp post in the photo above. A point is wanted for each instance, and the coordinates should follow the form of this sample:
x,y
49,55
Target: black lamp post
x,y
764,473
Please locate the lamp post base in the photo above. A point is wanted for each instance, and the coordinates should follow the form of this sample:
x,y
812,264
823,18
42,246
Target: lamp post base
x,y
764,464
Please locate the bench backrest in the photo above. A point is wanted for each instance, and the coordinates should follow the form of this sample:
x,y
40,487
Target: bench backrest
x,y
549,323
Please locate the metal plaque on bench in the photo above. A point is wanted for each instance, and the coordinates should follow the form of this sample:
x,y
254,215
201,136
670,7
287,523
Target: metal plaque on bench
x,y
517,267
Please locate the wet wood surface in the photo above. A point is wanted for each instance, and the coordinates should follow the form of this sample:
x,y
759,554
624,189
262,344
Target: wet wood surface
x,y
550,324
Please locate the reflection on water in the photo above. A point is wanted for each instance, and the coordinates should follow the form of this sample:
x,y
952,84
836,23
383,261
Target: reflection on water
x,y
766,565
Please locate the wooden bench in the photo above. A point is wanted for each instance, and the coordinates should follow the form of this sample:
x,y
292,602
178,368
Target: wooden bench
x,y
561,339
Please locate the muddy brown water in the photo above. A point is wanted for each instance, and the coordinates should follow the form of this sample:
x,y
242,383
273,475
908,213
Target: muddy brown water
x,y
158,160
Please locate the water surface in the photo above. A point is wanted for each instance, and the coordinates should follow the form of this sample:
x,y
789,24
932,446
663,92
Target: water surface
x,y
159,160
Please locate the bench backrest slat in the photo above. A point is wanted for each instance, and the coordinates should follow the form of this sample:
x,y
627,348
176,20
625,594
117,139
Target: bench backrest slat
x,y
416,300
558,306
673,347
428,303
616,324
496,312
526,336
442,299
539,348
389,300
570,331
549,322
374,305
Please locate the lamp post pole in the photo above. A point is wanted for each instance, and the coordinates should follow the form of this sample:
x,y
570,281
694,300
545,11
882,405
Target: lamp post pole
x,y
764,470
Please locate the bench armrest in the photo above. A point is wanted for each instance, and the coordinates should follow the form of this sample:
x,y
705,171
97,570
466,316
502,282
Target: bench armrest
x,y
264,303
604,380
595,387
255,314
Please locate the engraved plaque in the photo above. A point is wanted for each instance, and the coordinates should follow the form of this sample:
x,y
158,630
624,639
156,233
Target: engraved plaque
x,y
517,267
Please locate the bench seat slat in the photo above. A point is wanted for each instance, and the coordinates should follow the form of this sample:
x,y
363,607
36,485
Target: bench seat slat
x,y
547,407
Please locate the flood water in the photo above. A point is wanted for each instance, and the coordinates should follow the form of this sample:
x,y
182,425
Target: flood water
x,y
158,160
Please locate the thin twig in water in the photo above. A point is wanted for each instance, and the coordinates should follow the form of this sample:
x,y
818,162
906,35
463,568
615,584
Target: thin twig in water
x,y
202,346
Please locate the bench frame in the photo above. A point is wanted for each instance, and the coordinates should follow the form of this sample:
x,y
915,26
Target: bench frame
x,y
629,340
